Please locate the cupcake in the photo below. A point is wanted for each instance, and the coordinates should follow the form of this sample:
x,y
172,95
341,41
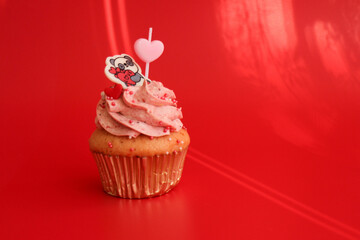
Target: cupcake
x,y
140,143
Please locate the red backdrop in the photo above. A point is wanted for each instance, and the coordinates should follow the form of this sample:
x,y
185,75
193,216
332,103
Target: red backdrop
x,y
270,94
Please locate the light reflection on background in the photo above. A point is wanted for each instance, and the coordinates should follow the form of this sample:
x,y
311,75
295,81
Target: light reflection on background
x,y
308,57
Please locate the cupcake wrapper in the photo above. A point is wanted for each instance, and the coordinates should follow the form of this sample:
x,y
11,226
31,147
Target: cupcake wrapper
x,y
140,177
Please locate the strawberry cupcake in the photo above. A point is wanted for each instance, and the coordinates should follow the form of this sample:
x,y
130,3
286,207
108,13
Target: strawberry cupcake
x,y
140,143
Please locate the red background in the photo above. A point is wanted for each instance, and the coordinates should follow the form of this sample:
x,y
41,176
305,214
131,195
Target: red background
x,y
270,93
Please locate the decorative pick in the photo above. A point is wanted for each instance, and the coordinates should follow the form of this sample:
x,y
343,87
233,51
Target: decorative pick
x,y
148,51
123,70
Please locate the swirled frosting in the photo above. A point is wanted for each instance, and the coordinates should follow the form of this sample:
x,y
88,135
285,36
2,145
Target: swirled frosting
x,y
149,109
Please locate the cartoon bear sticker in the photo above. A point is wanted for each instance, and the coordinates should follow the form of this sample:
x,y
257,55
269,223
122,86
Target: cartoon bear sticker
x,y
122,69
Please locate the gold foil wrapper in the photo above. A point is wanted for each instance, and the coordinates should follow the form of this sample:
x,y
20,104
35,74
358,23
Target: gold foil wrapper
x,y
140,177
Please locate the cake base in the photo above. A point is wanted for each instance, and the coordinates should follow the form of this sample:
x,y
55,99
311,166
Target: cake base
x,y
140,177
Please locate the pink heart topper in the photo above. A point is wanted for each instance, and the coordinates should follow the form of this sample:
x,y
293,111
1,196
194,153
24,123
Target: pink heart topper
x,y
148,51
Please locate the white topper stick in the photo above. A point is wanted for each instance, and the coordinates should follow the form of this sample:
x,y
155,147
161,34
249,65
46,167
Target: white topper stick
x,y
147,66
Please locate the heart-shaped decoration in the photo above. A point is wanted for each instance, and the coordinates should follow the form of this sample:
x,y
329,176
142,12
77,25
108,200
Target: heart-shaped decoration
x,y
148,51
114,91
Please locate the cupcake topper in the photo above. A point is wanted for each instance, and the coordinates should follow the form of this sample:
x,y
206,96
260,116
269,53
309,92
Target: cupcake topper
x,y
122,69
148,50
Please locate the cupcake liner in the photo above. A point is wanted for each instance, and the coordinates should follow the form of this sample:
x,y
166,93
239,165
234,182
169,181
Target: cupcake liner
x,y
140,177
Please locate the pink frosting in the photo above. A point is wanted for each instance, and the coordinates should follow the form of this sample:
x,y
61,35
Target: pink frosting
x,y
149,109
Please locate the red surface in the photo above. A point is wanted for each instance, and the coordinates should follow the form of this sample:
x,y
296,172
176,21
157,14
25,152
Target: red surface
x,y
270,93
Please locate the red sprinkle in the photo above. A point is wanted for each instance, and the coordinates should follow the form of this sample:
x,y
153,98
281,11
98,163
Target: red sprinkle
x,y
130,121
131,149
160,123
178,141
162,98
133,101
131,92
165,95
151,137
112,103
165,129
110,144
